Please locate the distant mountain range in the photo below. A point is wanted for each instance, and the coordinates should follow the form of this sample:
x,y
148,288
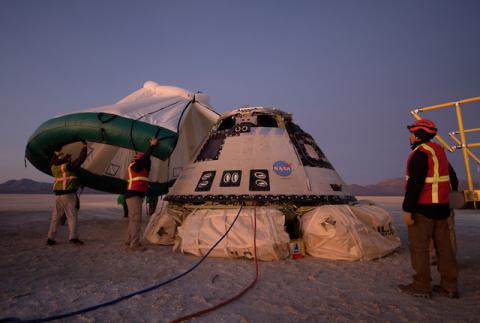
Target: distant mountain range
x,y
388,187
28,186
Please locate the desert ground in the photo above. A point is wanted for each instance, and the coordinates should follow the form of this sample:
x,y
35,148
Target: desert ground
x,y
39,281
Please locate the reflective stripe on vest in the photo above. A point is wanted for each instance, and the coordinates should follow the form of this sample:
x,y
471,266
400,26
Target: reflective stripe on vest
x,y
65,177
436,176
431,179
137,181
438,171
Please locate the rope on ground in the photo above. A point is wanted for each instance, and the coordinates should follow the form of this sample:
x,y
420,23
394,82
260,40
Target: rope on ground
x,y
234,298
122,298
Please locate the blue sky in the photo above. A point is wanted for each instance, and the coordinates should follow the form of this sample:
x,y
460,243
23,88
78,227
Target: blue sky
x,y
349,71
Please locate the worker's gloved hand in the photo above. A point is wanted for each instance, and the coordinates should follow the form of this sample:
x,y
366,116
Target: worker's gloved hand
x,y
408,218
153,141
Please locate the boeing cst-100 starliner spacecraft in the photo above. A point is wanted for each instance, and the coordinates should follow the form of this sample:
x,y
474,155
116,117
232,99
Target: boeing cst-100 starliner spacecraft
x,y
258,158
259,155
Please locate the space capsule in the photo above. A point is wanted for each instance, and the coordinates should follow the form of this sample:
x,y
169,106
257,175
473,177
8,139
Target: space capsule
x,y
256,154
258,160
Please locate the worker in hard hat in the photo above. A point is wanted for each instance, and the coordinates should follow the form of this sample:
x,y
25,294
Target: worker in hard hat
x,y
430,179
65,188
137,186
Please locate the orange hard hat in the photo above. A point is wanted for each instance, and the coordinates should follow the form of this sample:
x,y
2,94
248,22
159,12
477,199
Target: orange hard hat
x,y
424,124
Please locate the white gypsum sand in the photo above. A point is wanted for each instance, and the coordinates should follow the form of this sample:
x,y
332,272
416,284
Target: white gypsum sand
x,y
39,281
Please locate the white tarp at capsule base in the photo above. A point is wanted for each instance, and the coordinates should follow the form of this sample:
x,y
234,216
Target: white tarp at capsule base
x,y
164,106
349,232
343,232
203,228
197,231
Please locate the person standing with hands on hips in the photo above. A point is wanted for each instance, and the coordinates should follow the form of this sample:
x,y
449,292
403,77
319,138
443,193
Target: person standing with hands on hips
x,y
430,179
138,172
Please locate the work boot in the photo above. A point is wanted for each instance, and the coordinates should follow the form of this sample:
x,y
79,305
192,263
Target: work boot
x,y
413,290
445,292
51,242
76,241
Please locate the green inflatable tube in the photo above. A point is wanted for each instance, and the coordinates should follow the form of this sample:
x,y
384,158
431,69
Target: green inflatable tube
x,y
103,128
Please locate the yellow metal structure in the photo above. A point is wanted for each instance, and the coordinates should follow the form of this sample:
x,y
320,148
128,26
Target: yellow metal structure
x,y
459,146
471,195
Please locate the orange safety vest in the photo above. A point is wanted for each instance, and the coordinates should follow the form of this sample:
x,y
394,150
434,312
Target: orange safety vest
x,y
64,180
137,181
437,183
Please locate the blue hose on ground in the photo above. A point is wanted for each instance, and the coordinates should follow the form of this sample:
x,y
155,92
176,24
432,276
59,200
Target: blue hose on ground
x,y
234,298
122,298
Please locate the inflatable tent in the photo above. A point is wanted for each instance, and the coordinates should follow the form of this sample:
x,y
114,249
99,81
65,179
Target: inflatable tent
x,y
178,118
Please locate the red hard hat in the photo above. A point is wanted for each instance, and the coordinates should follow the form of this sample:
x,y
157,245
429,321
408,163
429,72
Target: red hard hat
x,y
138,156
424,124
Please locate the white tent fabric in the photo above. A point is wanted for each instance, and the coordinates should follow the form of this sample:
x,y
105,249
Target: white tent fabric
x,y
204,227
157,104
188,114
344,232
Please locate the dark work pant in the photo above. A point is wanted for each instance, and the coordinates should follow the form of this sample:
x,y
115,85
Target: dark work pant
x,y
419,234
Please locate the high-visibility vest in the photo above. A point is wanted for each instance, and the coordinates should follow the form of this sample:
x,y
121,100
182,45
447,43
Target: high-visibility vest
x,y
437,183
137,181
63,179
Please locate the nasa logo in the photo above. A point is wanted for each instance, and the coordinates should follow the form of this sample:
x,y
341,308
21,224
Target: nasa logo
x,y
282,168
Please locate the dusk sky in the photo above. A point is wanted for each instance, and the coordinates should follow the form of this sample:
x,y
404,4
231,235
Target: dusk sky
x,y
349,71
